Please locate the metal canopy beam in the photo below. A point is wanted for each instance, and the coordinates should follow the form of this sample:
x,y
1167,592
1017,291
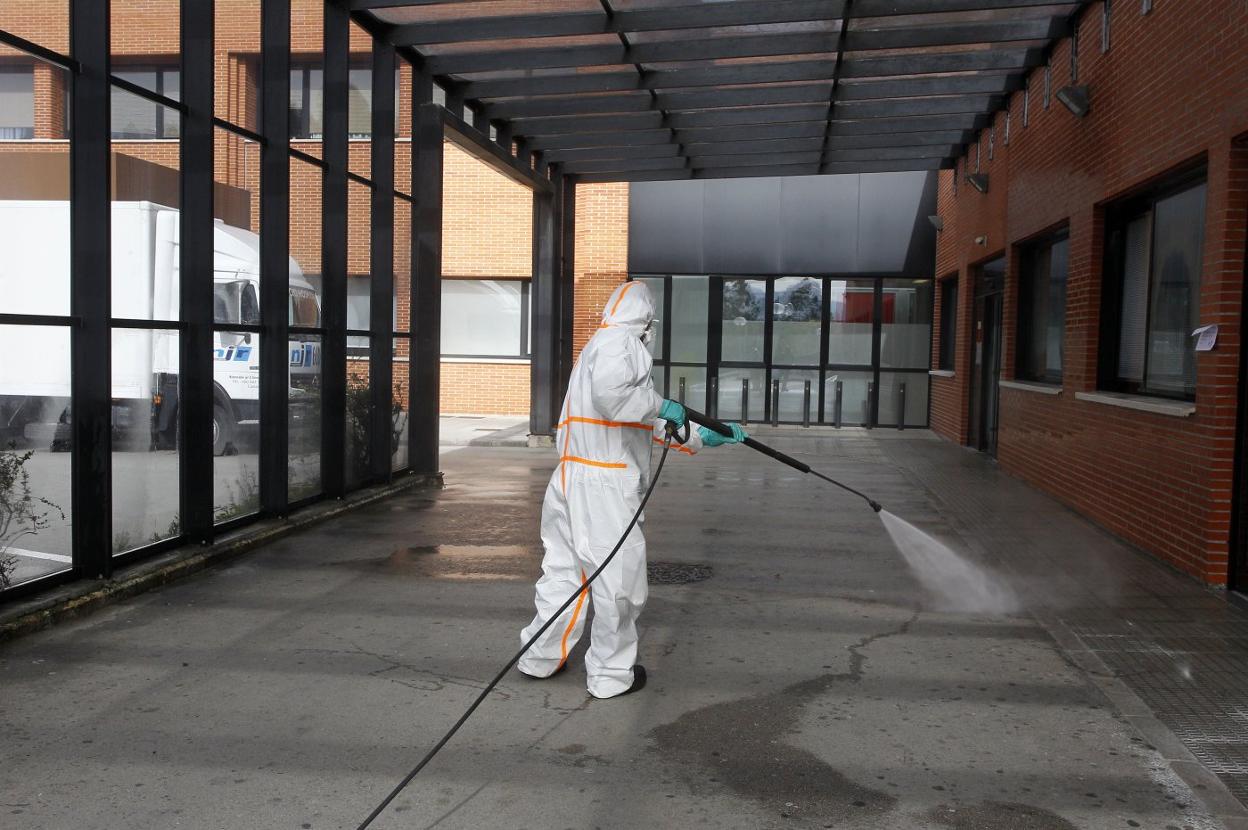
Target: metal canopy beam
x,y
1008,60
712,48
833,168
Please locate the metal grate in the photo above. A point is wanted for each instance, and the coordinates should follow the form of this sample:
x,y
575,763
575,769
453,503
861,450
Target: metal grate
x,y
677,573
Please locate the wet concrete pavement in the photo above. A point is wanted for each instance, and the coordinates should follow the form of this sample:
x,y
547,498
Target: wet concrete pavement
x,y
805,681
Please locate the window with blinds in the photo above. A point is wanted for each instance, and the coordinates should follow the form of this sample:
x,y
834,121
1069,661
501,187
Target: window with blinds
x,y
1151,303
17,103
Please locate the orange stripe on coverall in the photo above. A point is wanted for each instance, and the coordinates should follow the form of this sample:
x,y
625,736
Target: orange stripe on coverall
x,y
609,465
576,419
576,612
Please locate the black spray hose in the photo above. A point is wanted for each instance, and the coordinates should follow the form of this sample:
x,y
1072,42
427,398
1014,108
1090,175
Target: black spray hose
x,y
801,466
654,479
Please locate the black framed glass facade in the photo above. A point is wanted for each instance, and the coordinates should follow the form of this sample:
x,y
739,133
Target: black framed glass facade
x,y
176,314
1043,267
1151,301
795,349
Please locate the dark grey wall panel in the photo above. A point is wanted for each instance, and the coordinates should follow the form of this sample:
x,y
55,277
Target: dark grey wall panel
x,y
893,220
819,224
863,223
665,225
741,230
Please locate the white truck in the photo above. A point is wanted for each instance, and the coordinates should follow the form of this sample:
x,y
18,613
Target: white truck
x,y
35,372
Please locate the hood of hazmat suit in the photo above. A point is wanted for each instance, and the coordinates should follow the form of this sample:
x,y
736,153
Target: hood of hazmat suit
x,y
608,429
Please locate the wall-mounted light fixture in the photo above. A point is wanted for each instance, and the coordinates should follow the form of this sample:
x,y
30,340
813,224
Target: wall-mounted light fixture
x,y
1076,98
979,181
937,223
981,240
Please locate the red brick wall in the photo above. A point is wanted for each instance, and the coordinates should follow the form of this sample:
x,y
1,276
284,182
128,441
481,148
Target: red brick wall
x,y
601,253
1161,482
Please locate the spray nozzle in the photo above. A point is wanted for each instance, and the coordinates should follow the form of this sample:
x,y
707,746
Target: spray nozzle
x,y
875,505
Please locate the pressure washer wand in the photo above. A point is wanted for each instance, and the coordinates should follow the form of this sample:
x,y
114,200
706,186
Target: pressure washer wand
x,y
801,466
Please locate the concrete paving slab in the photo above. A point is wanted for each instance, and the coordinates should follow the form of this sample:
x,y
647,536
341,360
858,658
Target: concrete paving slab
x,y
808,682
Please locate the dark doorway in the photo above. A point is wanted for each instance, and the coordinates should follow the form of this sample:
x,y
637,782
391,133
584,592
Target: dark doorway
x,y
986,355
1238,565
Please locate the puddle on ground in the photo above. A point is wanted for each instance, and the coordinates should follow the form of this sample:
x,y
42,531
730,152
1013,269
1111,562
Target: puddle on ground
x,y
458,562
998,814
741,744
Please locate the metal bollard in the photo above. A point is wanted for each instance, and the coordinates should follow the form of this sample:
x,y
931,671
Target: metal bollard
x,y
901,406
866,414
775,403
806,405
745,401
681,395
836,406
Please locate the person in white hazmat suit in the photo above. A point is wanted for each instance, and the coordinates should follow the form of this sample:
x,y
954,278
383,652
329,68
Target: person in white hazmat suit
x,y
611,420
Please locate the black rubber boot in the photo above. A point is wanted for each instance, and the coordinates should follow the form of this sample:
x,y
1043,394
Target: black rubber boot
x,y
639,680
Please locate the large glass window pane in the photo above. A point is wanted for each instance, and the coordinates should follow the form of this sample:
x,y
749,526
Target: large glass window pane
x,y
304,417
360,101
948,323
793,404
855,401
236,424
35,529
145,430
238,64
1178,245
17,102
733,391
138,119
400,404
655,284
915,394
689,318
34,233
359,263
796,335
482,318
744,320
146,222
852,304
906,330
687,384
1042,310
45,22
357,448
1133,322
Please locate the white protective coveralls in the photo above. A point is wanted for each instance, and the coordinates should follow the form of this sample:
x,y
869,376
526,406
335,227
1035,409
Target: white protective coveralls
x,y
608,428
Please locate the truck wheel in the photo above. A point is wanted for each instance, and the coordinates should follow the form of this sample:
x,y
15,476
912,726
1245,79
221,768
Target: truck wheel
x,y
222,430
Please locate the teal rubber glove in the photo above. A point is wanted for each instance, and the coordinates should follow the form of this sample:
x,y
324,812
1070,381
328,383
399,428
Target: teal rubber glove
x,y
711,438
673,412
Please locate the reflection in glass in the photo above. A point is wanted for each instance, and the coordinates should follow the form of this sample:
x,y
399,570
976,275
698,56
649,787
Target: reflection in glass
x,y
145,430
915,398
852,303
855,400
34,230
35,527
237,28
655,284
689,319
483,318
793,404
692,380
17,102
906,328
1174,299
304,418
798,313
732,394
357,447
359,264
658,374
236,424
138,119
402,265
400,404
744,320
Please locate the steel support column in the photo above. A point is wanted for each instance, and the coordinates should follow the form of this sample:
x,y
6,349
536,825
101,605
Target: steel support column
x,y
426,288
196,251
274,253
334,251
567,283
545,346
90,296
381,309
